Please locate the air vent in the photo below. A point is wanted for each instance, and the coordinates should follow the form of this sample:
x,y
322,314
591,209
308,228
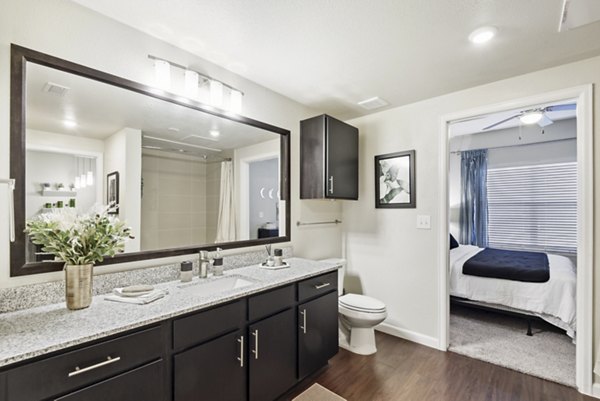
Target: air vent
x,y
55,89
373,103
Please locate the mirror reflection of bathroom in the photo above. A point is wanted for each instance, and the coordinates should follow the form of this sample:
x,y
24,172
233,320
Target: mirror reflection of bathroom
x,y
263,183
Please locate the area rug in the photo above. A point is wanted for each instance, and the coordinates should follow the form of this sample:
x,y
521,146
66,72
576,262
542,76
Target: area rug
x,y
316,392
501,340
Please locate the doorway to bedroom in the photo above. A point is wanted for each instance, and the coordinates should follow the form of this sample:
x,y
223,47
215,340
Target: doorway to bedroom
x,y
513,225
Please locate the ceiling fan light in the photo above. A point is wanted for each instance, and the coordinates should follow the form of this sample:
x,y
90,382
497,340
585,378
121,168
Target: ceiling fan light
x,y
531,117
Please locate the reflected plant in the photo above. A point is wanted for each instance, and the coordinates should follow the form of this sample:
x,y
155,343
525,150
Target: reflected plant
x,y
79,239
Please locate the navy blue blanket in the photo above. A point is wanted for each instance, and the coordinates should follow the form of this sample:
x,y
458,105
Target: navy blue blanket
x,y
532,267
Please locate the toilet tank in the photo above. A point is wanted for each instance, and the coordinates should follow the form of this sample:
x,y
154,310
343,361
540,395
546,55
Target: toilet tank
x,y
341,272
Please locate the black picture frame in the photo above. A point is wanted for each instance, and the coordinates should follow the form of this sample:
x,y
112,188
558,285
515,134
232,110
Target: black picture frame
x,y
112,192
394,170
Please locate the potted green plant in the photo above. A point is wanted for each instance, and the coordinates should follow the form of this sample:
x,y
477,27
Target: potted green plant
x,y
79,240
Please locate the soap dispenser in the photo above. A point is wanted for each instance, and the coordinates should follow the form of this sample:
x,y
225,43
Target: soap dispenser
x,y
218,263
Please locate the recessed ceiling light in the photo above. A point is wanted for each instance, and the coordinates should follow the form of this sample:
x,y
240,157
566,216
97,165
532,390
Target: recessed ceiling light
x,y
69,123
214,133
483,34
531,117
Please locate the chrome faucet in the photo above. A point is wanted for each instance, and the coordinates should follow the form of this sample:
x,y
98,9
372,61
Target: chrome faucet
x,y
203,264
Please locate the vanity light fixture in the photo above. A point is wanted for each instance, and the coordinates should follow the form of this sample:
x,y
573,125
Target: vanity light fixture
x,y
162,74
483,34
193,81
216,93
90,174
531,117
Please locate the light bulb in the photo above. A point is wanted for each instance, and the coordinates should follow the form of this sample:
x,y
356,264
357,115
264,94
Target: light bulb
x,y
236,101
77,182
216,93
531,117
162,73
83,180
191,83
90,178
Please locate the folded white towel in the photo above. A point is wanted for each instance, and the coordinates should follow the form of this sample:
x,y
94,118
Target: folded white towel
x,y
142,299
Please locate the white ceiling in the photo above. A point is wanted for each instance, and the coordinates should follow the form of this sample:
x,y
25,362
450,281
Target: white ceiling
x,y
331,54
101,110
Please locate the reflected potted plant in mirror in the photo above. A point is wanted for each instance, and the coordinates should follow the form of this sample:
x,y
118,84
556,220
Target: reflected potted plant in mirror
x,y
79,240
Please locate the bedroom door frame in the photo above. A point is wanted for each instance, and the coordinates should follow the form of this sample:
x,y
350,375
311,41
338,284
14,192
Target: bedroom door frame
x,y
583,96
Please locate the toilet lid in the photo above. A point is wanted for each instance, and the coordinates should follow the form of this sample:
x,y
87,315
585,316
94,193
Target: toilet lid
x,y
361,303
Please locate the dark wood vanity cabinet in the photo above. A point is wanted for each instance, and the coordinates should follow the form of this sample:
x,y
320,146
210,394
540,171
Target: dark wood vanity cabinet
x,y
317,333
255,348
328,159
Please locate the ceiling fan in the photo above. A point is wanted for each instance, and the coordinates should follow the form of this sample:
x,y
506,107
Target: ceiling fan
x,y
536,116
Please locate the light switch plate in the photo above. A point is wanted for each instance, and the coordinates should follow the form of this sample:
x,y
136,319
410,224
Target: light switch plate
x,y
424,222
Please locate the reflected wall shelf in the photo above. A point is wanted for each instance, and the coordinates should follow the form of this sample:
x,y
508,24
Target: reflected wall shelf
x,y
53,192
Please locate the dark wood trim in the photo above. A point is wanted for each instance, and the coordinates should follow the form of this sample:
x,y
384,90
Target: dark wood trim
x,y
412,177
19,58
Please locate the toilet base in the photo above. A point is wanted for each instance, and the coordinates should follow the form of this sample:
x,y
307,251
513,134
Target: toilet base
x,y
362,340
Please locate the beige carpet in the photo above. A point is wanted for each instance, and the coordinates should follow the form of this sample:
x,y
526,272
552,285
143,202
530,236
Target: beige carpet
x,y
316,392
501,340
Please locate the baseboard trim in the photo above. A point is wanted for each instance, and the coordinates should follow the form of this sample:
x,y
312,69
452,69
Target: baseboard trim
x,y
408,335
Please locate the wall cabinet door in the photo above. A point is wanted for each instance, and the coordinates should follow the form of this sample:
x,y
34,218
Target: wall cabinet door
x,y
328,159
144,383
342,160
213,371
272,356
317,333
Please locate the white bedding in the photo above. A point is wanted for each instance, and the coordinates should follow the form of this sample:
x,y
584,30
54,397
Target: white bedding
x,y
553,300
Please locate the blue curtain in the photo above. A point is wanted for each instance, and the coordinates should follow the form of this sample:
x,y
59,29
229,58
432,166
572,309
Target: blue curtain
x,y
474,204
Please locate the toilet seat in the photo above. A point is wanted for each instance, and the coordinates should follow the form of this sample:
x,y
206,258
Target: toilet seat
x,y
361,303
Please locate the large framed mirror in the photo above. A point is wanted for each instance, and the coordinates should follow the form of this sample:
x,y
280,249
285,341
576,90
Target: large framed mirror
x,y
185,176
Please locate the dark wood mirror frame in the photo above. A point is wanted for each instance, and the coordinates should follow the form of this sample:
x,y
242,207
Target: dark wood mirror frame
x,y
19,58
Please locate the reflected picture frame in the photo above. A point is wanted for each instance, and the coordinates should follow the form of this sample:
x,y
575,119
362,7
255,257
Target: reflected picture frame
x,y
112,192
395,180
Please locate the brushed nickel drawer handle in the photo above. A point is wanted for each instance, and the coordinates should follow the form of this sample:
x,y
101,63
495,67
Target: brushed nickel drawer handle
x,y
319,286
331,185
108,361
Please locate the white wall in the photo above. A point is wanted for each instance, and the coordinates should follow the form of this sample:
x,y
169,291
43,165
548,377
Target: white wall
x,y
391,258
123,154
69,31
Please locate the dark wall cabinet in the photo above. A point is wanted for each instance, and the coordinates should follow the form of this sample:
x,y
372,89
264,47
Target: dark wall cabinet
x,y
328,159
255,348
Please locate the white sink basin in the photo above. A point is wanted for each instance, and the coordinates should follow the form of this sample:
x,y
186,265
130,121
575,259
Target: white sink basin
x,y
217,285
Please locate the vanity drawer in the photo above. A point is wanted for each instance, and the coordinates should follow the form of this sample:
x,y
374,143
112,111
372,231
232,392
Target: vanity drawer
x,y
202,326
316,286
269,303
71,370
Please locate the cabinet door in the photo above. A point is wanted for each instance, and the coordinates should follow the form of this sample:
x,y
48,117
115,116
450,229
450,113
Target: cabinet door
x,y
144,383
213,371
317,333
342,160
272,356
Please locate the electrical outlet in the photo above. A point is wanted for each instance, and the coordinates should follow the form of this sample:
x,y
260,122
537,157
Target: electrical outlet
x,y
424,222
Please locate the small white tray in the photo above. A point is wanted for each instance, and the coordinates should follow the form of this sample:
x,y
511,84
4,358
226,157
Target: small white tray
x,y
263,265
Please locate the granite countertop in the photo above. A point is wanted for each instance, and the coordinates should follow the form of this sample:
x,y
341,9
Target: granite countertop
x,y
33,332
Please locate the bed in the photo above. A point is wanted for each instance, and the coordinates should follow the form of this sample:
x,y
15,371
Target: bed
x,y
554,300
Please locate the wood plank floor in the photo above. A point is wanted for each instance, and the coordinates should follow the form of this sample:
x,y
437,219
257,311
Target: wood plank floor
x,y
405,371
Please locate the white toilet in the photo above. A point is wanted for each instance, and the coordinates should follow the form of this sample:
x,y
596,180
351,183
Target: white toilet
x,y
358,315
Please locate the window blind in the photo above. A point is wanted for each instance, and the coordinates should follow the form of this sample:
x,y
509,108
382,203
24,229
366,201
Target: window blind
x,y
533,208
